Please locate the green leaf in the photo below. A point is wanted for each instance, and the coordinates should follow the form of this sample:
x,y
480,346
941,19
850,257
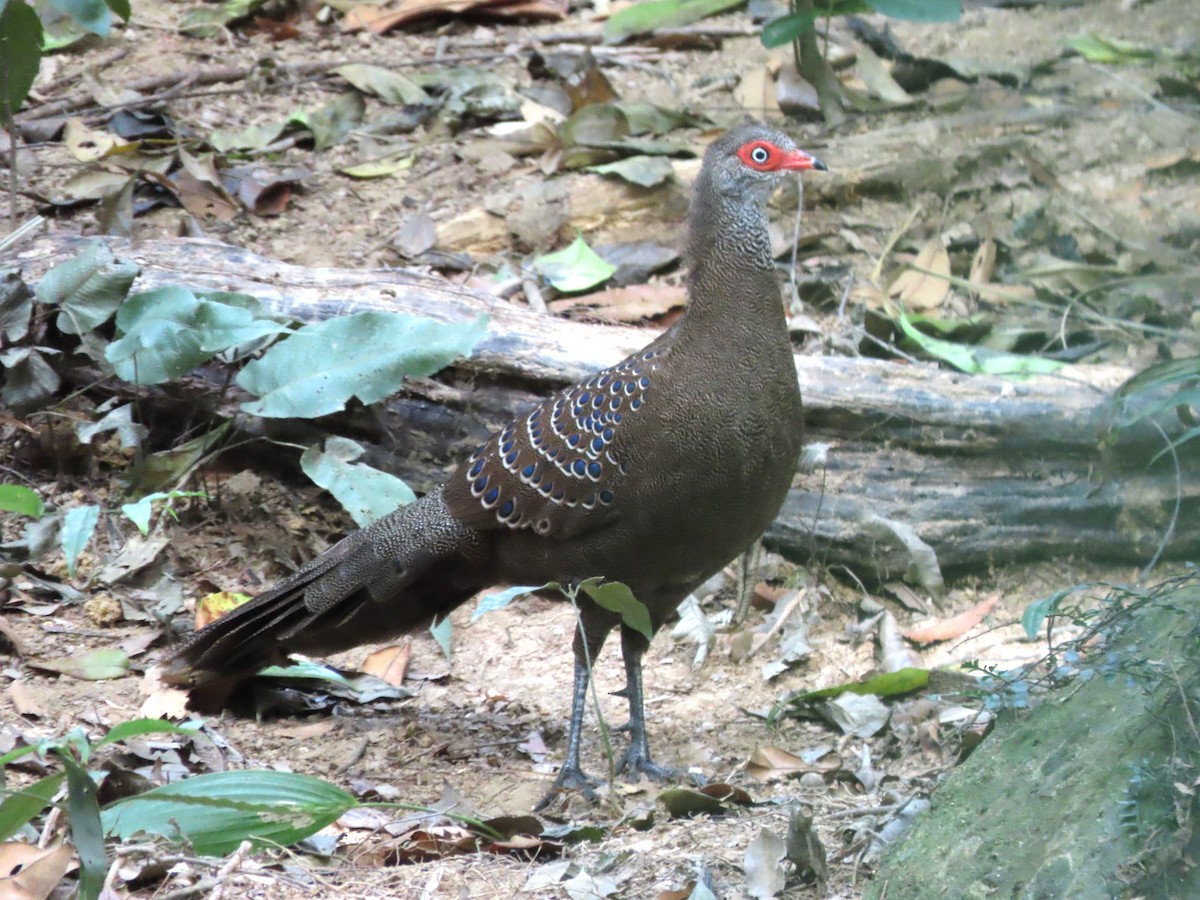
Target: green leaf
x,y
366,355
209,21
643,18
18,499
440,631
1112,51
977,360
366,493
95,665
88,288
492,602
252,137
574,268
646,171
388,85
20,53
120,7
92,15
1036,612
16,304
77,528
141,511
139,727
167,332
332,122
380,168
919,10
786,29
889,684
23,804
216,812
616,597
83,807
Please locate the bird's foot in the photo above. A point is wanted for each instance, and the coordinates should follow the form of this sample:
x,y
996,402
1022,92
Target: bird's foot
x,y
570,778
635,761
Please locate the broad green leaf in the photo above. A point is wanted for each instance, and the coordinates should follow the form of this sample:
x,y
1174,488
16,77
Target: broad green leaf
x,y
919,10
646,171
140,512
88,289
574,268
217,811
22,804
92,15
167,332
83,809
366,493
1035,613
95,665
20,55
315,371
29,380
16,305
386,84
77,528
786,29
643,18
332,122
19,499
616,597
252,137
120,7
492,602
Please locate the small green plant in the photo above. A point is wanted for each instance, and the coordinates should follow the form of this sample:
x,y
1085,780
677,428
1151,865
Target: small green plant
x,y
23,39
1165,388
798,29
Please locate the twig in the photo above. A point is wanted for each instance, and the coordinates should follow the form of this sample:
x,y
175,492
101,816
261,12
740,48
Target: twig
x,y
235,860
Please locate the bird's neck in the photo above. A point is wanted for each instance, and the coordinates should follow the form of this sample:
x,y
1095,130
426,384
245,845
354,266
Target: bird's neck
x,y
731,279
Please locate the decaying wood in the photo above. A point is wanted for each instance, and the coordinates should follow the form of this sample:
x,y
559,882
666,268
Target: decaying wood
x,y
985,470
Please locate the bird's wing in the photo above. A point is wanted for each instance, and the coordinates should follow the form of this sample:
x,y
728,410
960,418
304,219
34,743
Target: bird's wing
x,y
560,470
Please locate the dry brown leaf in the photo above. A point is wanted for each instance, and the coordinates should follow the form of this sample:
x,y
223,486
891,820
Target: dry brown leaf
x,y
390,664
920,291
11,638
29,873
769,763
382,20
946,629
983,266
756,92
628,304
24,700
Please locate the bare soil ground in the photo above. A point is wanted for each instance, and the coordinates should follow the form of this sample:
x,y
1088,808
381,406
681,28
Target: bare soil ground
x,y
509,676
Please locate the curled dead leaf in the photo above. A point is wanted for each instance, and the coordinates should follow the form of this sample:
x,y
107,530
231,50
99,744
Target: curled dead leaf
x,y
946,629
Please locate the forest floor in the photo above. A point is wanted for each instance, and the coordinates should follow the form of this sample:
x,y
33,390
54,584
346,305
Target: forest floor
x,y
1044,151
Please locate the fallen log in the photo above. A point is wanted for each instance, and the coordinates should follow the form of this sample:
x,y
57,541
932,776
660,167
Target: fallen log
x,y
985,470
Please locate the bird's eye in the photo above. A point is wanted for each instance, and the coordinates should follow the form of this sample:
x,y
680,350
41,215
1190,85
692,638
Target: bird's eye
x,y
757,155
